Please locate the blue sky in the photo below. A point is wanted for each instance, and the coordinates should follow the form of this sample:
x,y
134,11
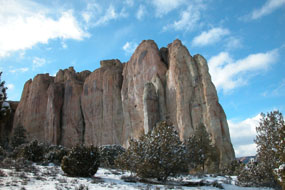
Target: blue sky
x,y
242,40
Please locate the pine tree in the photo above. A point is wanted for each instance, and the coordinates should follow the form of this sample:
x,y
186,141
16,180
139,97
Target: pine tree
x,y
3,96
280,170
157,154
269,167
251,175
270,145
270,142
200,150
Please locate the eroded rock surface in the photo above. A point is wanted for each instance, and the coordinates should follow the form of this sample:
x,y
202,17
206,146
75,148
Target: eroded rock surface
x,y
150,106
192,99
54,113
102,105
144,64
31,111
121,101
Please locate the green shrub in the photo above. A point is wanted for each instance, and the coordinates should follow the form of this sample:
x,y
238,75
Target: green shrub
x,y
158,154
81,161
202,155
2,153
55,154
126,161
254,175
19,137
20,164
33,151
108,155
233,169
4,142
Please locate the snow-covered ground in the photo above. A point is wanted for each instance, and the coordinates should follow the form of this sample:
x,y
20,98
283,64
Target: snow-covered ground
x,y
53,178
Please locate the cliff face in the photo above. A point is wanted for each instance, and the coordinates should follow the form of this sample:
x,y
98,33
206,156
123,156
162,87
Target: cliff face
x,y
121,101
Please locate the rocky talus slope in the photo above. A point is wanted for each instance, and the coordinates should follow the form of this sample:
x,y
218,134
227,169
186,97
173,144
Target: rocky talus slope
x,y
121,101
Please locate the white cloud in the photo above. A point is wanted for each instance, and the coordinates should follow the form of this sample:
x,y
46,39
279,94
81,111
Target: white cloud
x,y
267,8
189,18
245,128
243,134
89,13
129,2
86,16
210,37
22,70
163,7
63,45
110,14
245,150
24,24
38,62
233,43
141,12
228,74
10,86
130,47
96,14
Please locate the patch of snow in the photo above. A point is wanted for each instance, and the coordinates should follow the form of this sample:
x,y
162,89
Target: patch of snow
x,y
6,104
51,177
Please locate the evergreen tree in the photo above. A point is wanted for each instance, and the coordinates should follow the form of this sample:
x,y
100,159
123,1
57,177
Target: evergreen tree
x,y
280,170
200,150
157,154
4,106
270,148
251,175
270,153
19,137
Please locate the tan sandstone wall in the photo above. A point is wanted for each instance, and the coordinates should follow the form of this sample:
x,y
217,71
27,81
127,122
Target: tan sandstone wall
x,y
121,101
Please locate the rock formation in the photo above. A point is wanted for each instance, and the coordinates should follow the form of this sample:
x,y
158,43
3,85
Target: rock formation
x,y
102,105
121,101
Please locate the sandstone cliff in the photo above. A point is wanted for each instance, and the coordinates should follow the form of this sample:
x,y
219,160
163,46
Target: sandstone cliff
x,y
121,101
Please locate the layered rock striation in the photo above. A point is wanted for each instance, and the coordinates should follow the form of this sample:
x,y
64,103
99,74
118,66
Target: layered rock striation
x,y
121,101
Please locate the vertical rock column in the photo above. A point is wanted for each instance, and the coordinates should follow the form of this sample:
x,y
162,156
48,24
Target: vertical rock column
x,y
102,105
214,116
179,89
144,64
31,112
192,99
54,113
150,107
72,120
